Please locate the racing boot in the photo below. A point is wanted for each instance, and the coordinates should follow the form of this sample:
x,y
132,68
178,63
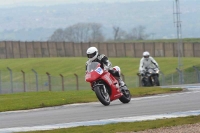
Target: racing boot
x,y
122,85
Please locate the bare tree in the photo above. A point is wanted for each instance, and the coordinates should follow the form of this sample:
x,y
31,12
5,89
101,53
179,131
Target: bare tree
x,y
133,34
137,33
141,35
58,35
80,32
116,32
77,33
119,34
96,33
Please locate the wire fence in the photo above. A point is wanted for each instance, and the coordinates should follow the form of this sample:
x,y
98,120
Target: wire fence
x,y
14,82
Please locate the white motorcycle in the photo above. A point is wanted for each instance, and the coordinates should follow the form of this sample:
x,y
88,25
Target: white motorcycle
x,y
150,77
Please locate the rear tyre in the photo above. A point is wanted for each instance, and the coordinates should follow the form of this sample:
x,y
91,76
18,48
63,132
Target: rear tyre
x,y
126,97
102,95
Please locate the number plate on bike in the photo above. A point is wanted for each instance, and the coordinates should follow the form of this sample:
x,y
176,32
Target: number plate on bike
x,y
99,70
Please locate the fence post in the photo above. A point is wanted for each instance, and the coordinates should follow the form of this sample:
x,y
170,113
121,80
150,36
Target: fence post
x,y
198,73
24,82
77,85
36,79
139,77
11,79
163,78
180,76
62,78
49,80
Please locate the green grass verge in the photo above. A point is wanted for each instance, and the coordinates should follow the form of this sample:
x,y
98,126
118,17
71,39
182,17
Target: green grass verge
x,y
69,66
31,100
127,126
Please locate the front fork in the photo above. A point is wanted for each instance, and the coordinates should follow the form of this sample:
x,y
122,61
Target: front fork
x,y
104,89
97,84
152,79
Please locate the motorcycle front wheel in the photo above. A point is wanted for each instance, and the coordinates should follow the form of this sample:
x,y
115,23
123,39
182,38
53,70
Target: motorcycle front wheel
x,y
146,82
156,81
102,94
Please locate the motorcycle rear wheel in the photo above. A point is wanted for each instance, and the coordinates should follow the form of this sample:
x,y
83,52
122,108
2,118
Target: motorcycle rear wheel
x,y
102,95
126,97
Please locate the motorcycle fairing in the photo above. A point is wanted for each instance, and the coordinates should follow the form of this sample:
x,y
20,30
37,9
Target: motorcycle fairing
x,y
113,83
91,76
99,70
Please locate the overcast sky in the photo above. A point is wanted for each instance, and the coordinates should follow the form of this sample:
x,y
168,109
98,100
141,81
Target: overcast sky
x,y
50,2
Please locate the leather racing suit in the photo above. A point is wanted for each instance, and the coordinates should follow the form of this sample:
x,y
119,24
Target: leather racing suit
x,y
107,65
147,63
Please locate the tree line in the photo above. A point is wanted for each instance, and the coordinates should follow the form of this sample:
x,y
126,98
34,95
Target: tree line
x,y
93,32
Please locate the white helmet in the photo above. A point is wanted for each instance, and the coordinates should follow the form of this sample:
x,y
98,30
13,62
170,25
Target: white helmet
x,y
92,53
146,55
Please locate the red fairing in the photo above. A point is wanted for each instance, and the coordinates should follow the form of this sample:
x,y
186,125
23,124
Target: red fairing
x,y
91,76
111,81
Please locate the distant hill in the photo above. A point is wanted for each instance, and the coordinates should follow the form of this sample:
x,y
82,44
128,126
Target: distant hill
x,y
28,23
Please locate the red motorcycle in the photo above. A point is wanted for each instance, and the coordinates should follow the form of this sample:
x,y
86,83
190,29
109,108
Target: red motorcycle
x,y
105,86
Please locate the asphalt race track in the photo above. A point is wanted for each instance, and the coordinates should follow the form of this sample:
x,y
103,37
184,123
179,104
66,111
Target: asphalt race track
x,y
153,107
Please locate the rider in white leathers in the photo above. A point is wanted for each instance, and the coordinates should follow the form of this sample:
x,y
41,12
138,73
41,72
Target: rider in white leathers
x,y
147,62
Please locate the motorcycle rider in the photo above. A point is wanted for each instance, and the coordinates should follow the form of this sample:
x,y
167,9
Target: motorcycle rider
x,y
147,62
94,56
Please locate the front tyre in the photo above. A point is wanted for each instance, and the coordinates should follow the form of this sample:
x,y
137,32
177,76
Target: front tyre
x,y
102,94
156,81
146,82
126,97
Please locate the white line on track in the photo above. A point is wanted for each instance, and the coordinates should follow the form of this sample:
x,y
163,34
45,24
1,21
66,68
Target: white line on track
x,y
100,122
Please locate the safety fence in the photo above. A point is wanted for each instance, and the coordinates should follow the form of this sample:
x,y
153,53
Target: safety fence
x,y
13,82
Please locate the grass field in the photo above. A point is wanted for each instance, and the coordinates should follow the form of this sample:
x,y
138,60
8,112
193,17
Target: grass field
x,y
71,65
76,65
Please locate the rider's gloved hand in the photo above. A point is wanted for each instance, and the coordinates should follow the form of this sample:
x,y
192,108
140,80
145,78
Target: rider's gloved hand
x,y
107,68
142,74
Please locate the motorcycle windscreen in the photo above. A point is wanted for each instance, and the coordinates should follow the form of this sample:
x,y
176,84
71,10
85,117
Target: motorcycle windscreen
x,y
93,75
